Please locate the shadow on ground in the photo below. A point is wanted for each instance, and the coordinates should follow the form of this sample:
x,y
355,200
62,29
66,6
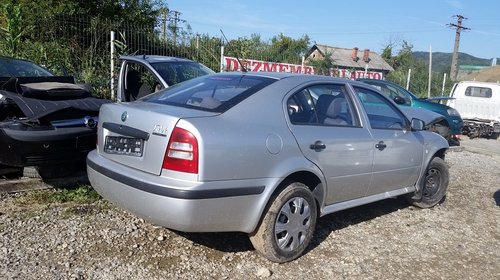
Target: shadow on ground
x,y
238,242
496,197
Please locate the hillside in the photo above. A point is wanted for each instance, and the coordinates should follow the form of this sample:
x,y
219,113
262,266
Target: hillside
x,y
487,75
441,62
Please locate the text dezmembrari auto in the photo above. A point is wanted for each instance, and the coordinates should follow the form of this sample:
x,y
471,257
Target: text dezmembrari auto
x,y
263,153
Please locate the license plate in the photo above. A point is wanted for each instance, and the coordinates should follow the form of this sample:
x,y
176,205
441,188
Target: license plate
x,y
124,146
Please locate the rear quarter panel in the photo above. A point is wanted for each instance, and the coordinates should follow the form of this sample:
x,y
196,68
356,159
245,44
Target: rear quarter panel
x,y
251,140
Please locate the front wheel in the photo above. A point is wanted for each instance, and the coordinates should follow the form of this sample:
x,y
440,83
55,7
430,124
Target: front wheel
x,y
288,224
434,185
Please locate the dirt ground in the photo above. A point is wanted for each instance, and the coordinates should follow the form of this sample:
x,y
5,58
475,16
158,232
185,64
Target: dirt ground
x,y
458,239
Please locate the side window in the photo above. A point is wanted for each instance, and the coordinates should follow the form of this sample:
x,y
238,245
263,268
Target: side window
x,y
327,105
139,82
381,113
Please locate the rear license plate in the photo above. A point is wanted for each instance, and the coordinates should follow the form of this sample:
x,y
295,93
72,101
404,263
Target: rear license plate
x,y
124,146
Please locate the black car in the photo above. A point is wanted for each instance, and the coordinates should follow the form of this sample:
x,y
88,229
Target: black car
x,y
46,121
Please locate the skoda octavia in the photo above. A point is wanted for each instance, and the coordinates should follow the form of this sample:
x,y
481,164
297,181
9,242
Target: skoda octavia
x,y
263,153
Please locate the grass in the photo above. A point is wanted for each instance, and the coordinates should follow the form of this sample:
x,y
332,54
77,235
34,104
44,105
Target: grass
x,y
76,200
82,194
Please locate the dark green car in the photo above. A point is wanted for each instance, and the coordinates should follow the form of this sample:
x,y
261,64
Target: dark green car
x,y
403,97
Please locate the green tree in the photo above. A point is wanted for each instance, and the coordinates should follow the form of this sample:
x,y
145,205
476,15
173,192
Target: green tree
x,y
14,29
323,66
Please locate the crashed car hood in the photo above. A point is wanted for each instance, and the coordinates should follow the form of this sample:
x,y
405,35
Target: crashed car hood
x,y
427,116
36,108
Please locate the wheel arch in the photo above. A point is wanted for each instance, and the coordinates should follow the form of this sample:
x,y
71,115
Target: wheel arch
x,y
307,177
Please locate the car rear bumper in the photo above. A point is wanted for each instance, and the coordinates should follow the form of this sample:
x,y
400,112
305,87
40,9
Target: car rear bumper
x,y
38,147
234,205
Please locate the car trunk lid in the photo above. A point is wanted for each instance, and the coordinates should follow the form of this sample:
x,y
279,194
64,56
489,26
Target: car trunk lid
x,y
137,134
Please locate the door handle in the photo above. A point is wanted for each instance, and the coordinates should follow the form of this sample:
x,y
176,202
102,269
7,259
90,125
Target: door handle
x,y
380,145
317,146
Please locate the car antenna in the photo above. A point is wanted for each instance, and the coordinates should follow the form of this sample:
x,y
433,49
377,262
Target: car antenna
x,y
243,69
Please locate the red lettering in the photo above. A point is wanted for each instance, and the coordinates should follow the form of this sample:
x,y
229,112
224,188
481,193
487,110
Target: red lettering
x,y
377,76
231,64
269,67
353,75
256,65
282,68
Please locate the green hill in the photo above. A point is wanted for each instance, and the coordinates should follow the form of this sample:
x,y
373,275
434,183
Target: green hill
x,y
441,62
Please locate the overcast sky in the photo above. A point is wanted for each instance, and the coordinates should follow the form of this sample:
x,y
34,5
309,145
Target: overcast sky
x,y
348,24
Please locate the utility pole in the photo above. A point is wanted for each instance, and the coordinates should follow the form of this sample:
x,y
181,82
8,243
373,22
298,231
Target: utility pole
x,y
164,14
454,58
175,20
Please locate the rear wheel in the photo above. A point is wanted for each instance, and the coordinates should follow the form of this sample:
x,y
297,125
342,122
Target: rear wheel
x,y
288,224
434,185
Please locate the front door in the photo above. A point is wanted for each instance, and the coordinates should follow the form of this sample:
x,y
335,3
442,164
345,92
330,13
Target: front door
x,y
398,151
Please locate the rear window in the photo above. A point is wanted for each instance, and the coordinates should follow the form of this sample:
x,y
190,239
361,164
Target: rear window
x,y
215,93
478,92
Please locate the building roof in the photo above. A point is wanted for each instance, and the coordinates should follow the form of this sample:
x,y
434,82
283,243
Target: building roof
x,y
343,57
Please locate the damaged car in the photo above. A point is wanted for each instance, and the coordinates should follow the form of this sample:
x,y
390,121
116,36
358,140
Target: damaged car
x,y
266,154
46,121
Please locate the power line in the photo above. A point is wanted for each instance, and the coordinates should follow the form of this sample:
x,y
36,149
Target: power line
x,y
454,58
170,16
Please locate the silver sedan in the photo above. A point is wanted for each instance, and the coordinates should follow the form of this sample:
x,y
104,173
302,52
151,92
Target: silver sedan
x,y
263,153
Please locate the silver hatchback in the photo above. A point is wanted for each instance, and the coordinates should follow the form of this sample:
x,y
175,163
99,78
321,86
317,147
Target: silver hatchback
x,y
263,153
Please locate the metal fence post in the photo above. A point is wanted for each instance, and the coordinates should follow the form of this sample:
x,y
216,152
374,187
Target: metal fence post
x,y
112,41
222,58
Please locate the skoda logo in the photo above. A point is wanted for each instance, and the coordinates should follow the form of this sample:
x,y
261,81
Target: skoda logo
x,y
124,116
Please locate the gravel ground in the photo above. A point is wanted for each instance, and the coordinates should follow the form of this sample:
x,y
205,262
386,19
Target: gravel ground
x,y
459,239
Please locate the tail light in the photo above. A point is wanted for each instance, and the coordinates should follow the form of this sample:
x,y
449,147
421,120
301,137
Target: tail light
x,y
182,152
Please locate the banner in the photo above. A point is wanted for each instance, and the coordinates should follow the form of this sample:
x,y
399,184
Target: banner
x,y
356,74
231,64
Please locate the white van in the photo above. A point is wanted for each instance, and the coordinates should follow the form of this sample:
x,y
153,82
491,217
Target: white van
x,y
479,105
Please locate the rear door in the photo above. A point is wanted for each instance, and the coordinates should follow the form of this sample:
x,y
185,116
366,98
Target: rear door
x,y
398,152
331,137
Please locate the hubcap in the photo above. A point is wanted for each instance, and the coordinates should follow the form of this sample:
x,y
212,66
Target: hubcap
x,y
292,224
432,182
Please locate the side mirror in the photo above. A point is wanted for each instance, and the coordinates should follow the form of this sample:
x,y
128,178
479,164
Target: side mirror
x,y
417,124
399,100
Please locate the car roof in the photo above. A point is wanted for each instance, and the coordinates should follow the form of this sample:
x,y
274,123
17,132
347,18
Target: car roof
x,y
154,58
284,75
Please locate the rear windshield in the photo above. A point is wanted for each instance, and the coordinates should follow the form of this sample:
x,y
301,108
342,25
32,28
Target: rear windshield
x,y
215,93
478,92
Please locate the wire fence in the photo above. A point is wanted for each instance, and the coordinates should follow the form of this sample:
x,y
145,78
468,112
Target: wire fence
x,y
81,46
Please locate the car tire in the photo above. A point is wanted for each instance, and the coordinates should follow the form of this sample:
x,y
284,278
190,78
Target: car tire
x,y
288,224
434,184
